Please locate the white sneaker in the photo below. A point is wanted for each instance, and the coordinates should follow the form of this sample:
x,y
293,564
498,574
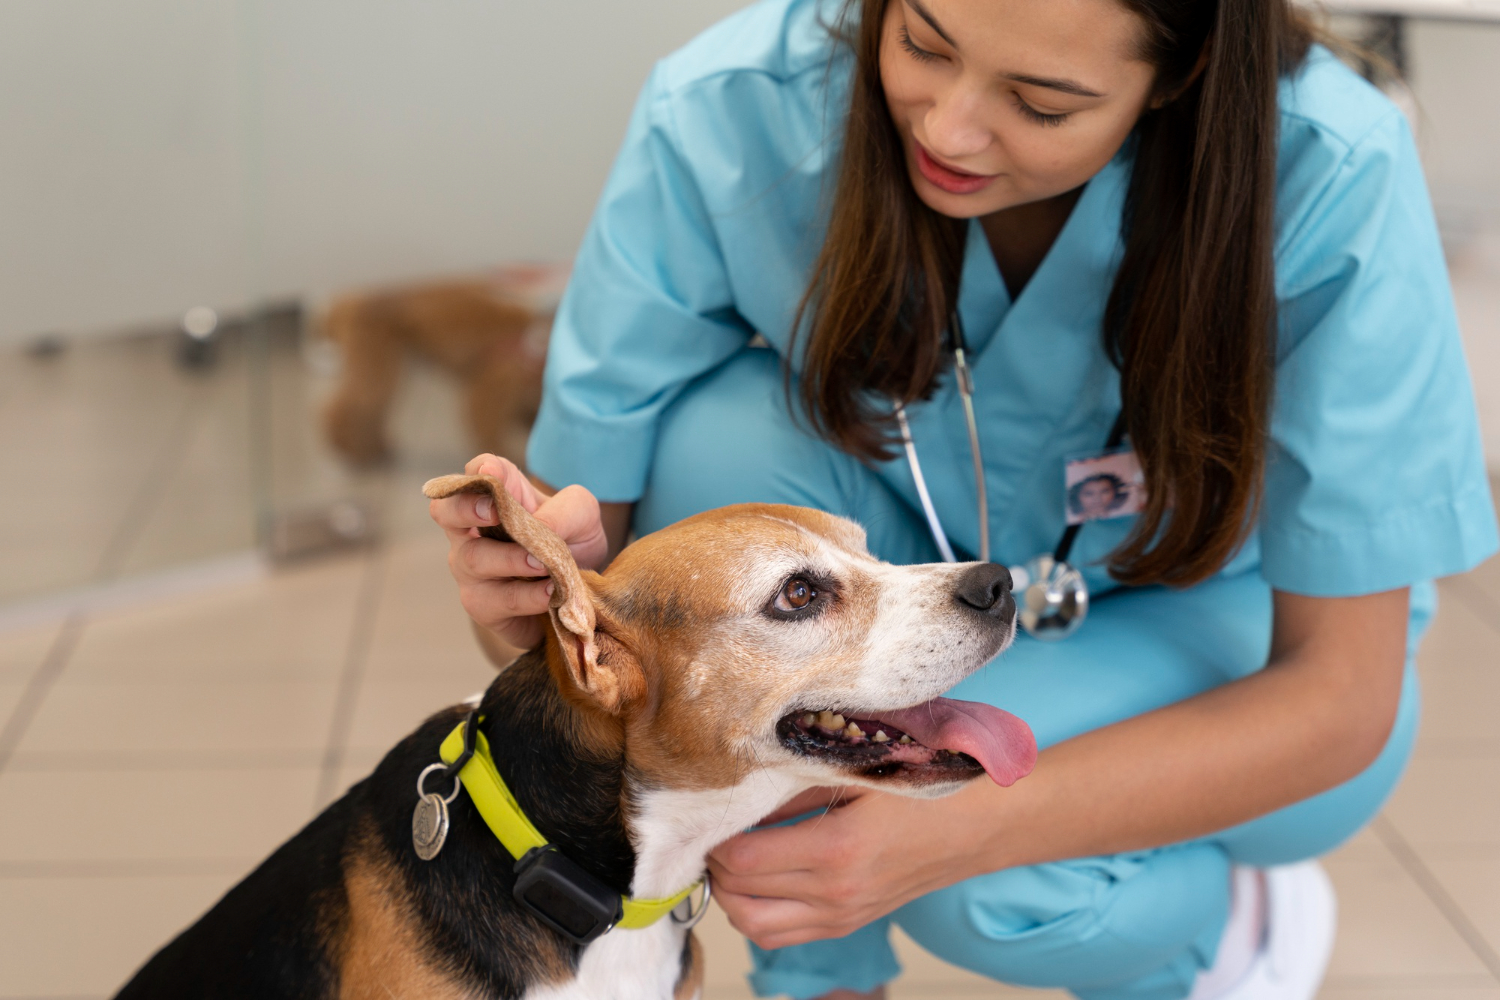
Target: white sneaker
x,y
1301,918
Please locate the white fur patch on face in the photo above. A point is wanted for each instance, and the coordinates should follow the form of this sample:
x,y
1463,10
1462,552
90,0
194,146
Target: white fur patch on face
x,y
921,643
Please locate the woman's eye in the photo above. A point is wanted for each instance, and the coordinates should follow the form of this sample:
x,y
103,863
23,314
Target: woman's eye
x,y
796,594
913,49
1039,117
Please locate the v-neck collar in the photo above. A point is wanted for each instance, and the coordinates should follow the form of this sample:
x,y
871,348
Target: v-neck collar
x,y
985,302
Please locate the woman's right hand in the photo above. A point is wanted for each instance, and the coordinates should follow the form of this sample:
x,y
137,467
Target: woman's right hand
x,y
502,587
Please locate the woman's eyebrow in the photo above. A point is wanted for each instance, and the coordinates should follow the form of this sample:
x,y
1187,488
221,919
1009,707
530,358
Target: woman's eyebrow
x,y
926,15
1063,86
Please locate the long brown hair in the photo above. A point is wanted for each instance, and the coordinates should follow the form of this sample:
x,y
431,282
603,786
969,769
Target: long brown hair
x,y
1190,321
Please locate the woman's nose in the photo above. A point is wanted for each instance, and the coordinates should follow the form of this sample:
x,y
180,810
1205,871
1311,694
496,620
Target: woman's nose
x,y
954,127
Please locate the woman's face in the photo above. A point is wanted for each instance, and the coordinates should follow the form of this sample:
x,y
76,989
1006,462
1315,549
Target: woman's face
x,y
1004,102
1096,497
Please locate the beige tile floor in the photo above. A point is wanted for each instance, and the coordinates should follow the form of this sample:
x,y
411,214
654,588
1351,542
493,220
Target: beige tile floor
x,y
178,742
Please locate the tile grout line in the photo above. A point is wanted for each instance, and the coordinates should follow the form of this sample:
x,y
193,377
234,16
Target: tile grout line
x,y
135,591
136,509
351,677
1414,866
39,685
125,868
168,761
148,492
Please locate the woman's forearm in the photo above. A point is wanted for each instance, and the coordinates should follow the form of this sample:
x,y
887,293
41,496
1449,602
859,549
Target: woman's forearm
x,y
1317,716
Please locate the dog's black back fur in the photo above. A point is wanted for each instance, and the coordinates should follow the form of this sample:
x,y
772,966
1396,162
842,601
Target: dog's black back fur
x,y
278,933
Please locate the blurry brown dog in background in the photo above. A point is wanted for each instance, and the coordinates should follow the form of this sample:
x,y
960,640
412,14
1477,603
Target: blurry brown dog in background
x,y
488,332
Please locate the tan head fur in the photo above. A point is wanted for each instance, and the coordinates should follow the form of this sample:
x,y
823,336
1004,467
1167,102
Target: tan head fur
x,y
682,640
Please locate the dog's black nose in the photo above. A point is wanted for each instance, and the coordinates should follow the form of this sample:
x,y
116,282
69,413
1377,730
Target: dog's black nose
x,y
984,587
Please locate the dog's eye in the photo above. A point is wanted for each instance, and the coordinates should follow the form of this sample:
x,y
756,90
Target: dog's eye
x,y
802,597
796,595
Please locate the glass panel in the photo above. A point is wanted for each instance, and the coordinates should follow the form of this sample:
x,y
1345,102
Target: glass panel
x,y
360,403
119,459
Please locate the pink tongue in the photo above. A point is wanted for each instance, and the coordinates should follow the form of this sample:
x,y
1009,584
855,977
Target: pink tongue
x,y
1002,743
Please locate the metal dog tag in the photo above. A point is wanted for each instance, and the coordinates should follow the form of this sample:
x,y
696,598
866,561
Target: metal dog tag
x,y
429,826
429,821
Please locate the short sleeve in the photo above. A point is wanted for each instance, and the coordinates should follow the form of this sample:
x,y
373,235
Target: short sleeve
x,y
649,307
1376,477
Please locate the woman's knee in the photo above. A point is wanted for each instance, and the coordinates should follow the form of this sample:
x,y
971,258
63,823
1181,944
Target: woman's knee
x,y
722,442
1317,825
731,438
1098,925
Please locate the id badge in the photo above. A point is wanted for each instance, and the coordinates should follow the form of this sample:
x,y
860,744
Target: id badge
x,y
1099,487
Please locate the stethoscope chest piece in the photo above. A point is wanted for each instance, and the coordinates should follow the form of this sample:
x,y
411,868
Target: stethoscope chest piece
x,y
1052,598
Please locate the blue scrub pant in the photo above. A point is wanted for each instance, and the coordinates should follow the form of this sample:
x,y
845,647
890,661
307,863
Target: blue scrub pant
x,y
1139,925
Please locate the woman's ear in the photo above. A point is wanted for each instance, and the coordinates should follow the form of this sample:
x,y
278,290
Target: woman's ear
x,y
572,604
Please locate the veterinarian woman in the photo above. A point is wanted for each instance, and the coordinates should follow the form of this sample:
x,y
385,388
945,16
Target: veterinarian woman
x,y
1174,214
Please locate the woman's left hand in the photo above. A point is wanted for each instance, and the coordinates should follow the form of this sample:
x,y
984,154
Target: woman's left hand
x,y
832,874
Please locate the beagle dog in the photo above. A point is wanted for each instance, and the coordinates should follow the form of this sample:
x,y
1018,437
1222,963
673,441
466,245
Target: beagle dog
x,y
716,669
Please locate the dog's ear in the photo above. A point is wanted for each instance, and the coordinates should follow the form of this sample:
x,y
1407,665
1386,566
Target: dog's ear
x,y
572,604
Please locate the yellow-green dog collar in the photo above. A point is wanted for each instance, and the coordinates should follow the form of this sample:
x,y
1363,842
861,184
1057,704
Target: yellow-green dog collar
x,y
507,820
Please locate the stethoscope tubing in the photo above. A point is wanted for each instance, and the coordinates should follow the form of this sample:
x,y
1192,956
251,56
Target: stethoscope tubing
x,y
966,393
945,549
965,380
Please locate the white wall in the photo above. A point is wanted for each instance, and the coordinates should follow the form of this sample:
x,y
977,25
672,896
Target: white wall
x,y
156,154
412,137
121,156
160,153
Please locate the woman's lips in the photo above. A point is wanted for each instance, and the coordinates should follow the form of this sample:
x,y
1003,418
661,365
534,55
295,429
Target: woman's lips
x,y
950,180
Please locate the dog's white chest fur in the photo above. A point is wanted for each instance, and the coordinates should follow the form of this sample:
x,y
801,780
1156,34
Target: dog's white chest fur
x,y
625,965
674,830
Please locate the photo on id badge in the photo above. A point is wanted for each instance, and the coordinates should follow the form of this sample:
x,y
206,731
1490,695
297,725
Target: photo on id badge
x,y
1103,486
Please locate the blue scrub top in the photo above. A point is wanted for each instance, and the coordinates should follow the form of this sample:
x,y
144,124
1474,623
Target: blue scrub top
x,y
716,208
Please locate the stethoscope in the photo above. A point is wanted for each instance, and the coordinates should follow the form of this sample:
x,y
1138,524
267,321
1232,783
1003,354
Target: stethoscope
x,y
1052,597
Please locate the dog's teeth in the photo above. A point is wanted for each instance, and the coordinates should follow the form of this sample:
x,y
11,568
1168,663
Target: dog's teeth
x,y
905,738
808,720
838,721
880,736
854,730
825,719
